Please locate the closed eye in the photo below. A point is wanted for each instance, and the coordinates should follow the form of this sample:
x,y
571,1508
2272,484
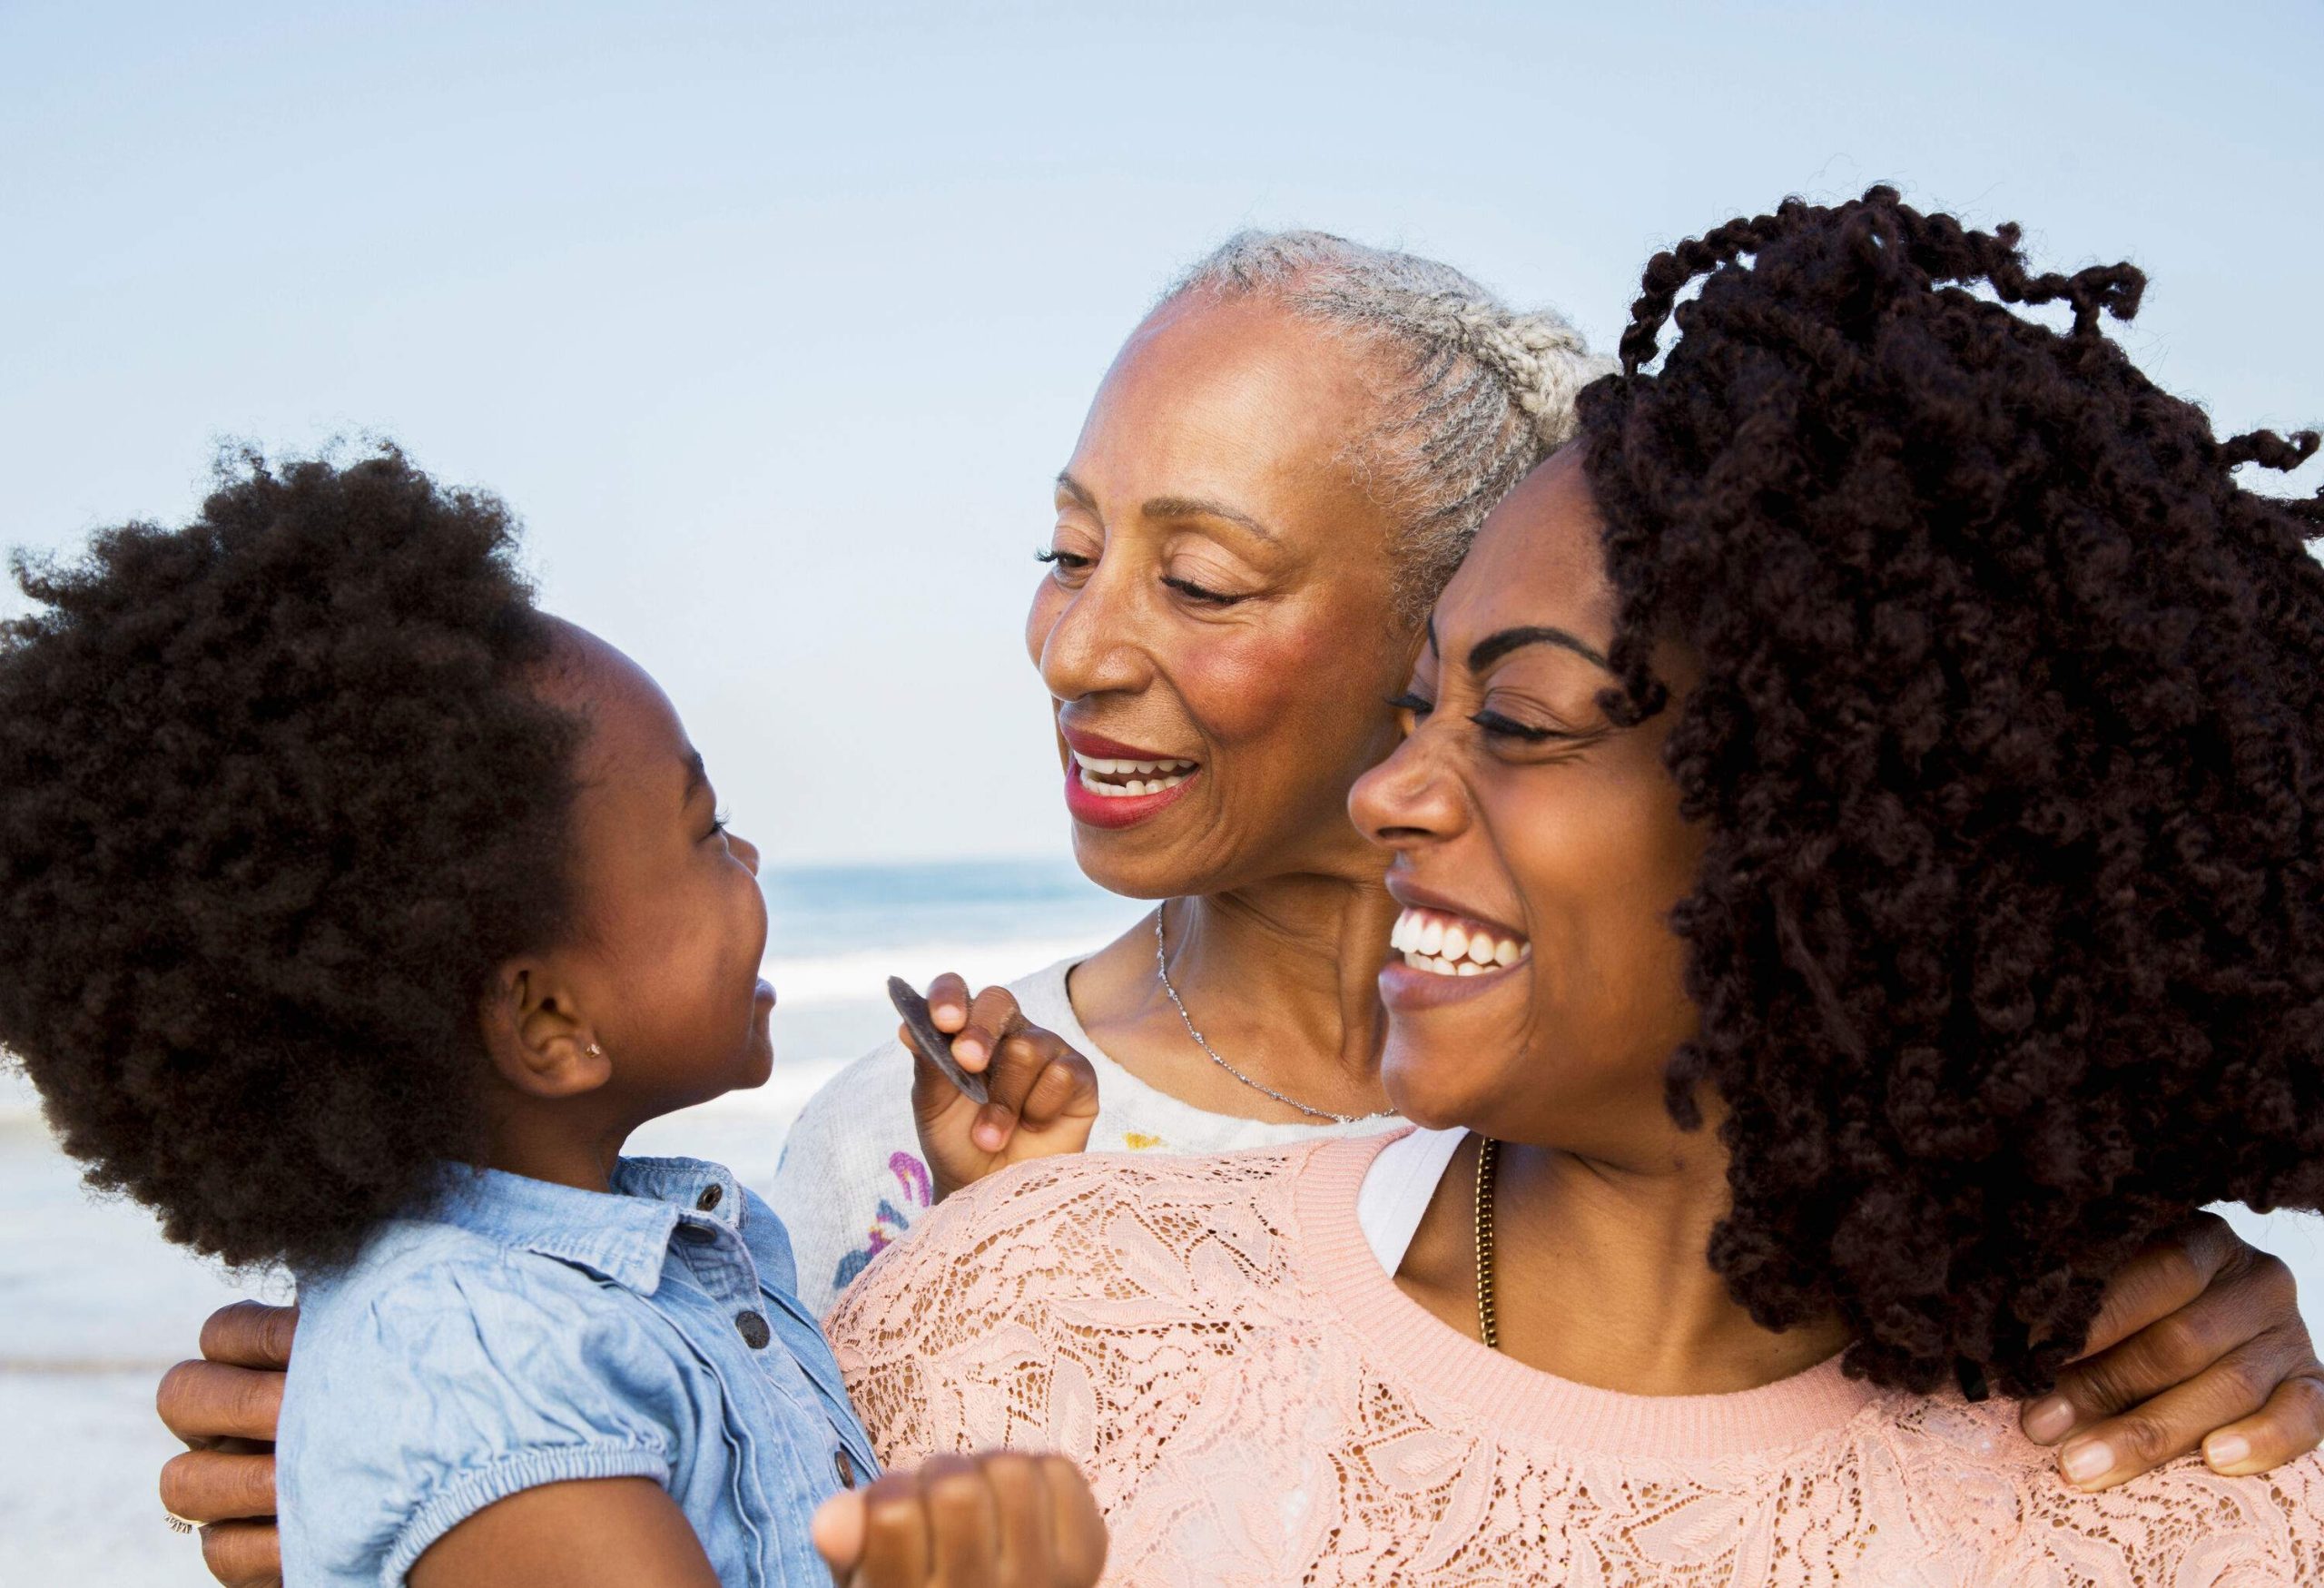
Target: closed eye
x,y
1193,592
1412,702
1502,727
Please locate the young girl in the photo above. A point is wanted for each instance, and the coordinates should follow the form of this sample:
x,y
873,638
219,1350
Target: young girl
x,y
309,819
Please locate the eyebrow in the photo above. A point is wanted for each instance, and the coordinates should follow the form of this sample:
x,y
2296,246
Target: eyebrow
x,y
1494,646
1171,506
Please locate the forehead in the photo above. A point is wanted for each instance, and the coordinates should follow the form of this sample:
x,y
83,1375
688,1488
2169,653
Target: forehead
x,y
633,730
1537,560
1216,395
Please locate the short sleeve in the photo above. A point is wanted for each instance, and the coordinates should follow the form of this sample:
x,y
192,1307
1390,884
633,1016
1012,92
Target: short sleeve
x,y
851,1181
446,1388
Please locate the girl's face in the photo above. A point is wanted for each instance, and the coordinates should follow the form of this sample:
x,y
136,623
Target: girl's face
x,y
1217,627
1521,818
671,924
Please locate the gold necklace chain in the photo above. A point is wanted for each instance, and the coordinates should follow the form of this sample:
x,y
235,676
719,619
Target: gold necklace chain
x,y
1488,1167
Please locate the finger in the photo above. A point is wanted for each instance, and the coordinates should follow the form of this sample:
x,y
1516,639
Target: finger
x,y
963,1522
2175,1422
837,1532
993,1015
2252,1294
1077,1528
204,1402
895,1534
948,1002
2287,1427
2163,1277
243,1554
1020,1496
206,1485
1009,1080
1068,1085
251,1334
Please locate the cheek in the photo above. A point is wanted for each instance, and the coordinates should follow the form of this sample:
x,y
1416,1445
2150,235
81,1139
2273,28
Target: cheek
x,y
1600,872
1304,685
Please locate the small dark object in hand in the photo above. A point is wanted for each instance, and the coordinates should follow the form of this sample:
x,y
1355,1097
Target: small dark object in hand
x,y
934,1045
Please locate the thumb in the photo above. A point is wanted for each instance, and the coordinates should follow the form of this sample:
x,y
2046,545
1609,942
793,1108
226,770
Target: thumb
x,y
837,1531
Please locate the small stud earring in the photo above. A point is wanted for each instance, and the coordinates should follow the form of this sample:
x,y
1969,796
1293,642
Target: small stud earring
x,y
594,1051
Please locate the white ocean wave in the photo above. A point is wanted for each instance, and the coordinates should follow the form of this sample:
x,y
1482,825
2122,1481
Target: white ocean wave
x,y
860,976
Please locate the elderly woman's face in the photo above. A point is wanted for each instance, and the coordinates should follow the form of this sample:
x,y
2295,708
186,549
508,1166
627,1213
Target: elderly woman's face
x,y
1538,992
1216,628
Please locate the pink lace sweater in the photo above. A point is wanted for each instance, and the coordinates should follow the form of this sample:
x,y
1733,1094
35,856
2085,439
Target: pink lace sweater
x,y
1257,1402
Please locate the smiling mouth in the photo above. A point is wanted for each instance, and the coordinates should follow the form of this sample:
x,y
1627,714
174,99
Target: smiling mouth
x,y
1122,780
1454,945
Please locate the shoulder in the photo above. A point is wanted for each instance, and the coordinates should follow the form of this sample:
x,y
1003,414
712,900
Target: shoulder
x,y
441,1373
1968,1468
434,1304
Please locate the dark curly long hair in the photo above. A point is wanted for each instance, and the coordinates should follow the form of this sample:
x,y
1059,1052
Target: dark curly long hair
x,y
2009,945
275,800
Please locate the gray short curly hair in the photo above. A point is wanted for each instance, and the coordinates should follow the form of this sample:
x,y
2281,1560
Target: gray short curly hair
x,y
1475,393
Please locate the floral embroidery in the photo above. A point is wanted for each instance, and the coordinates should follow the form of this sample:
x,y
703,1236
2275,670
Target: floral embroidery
x,y
1139,1141
889,1223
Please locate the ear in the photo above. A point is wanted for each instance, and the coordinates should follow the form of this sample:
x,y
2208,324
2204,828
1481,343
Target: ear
x,y
539,1038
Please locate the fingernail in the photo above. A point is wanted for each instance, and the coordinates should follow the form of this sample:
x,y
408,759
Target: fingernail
x,y
990,1138
2226,1450
2049,1419
2088,1461
968,1049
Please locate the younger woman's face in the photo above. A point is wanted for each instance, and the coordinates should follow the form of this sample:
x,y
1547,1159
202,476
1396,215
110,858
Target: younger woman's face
x,y
1218,629
671,924
1521,819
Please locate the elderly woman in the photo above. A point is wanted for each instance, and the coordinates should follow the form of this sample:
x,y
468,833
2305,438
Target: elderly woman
x,y
1283,466
1895,744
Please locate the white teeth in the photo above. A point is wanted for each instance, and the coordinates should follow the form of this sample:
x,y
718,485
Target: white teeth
x,y
1130,789
1453,946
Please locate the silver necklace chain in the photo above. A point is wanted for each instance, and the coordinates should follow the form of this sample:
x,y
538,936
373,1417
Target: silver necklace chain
x,y
1162,969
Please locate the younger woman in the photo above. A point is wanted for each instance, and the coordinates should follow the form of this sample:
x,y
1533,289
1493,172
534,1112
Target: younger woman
x,y
352,913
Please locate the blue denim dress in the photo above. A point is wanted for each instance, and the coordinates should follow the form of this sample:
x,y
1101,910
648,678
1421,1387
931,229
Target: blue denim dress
x,y
519,1333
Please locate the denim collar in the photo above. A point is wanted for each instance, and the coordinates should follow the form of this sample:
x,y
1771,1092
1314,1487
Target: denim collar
x,y
622,1237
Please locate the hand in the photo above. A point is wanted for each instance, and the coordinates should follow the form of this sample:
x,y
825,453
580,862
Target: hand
x,y
1044,1094
225,1407
2198,1342
1000,1520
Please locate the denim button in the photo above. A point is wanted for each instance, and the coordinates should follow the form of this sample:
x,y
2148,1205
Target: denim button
x,y
843,1465
696,1234
708,1199
755,1334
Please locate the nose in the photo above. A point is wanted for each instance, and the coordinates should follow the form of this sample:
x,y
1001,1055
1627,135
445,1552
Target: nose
x,y
1412,799
1086,642
745,850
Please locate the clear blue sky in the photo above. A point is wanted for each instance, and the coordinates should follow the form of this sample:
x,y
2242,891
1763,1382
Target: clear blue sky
x,y
774,321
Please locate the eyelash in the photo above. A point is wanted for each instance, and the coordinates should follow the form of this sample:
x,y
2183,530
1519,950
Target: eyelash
x,y
1193,592
1492,722
718,823
1186,587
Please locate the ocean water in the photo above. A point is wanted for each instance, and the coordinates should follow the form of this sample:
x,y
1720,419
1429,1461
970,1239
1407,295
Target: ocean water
x,y
94,1305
